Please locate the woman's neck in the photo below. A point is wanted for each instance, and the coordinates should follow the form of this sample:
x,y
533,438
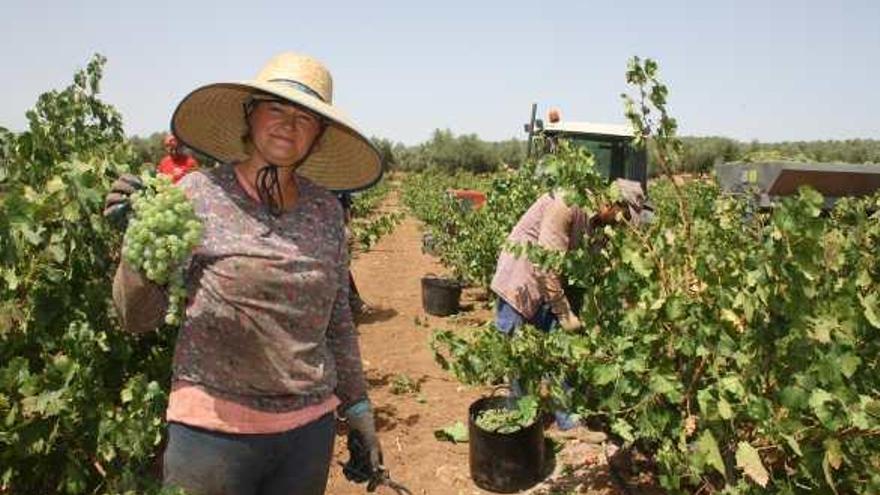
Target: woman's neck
x,y
247,171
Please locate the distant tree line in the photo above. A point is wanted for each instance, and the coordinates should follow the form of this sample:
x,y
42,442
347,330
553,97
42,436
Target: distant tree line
x,y
148,149
446,151
700,154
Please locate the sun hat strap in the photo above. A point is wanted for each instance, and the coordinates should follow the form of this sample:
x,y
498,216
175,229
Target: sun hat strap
x,y
267,180
291,83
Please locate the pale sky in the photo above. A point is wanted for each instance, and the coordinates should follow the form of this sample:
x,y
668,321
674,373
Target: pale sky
x,y
767,70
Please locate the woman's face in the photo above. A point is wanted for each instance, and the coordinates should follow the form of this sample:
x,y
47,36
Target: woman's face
x,y
282,134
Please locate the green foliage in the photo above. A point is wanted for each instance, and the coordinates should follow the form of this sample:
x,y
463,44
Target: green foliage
x,y
386,152
509,420
80,403
701,154
367,232
403,384
367,225
771,155
73,124
845,151
455,433
148,150
364,203
468,240
737,347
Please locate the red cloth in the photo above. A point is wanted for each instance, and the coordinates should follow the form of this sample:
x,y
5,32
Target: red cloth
x,y
177,166
474,197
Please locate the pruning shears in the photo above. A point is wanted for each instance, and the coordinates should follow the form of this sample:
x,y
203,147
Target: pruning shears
x,y
359,470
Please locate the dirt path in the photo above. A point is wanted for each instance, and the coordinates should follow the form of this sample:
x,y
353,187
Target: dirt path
x,y
394,343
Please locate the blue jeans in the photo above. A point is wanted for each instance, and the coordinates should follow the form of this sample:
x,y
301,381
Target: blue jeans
x,y
204,462
507,320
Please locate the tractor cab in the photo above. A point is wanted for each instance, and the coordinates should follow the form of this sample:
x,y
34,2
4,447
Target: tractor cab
x,y
612,145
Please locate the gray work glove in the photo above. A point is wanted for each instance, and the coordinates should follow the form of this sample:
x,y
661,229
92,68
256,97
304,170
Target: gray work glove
x,y
117,203
361,423
562,309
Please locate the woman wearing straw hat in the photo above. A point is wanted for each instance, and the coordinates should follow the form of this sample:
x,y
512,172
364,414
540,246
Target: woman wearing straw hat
x,y
267,350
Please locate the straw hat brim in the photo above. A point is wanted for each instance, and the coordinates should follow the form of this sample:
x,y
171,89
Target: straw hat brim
x,y
210,120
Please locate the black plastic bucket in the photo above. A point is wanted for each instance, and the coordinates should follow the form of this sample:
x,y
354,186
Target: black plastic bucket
x,y
504,462
440,296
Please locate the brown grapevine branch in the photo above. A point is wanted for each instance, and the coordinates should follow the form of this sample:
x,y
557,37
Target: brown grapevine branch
x,y
694,380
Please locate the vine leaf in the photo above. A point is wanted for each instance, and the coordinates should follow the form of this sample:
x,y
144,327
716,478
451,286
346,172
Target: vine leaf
x,y
748,459
818,399
833,459
707,447
848,364
869,303
793,444
455,433
724,409
833,453
638,263
624,429
821,328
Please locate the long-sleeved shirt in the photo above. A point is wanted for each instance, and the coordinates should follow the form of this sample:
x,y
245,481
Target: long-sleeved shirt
x,y
551,224
267,325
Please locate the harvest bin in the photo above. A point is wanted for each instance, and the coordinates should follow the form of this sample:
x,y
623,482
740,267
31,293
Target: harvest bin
x,y
504,462
440,296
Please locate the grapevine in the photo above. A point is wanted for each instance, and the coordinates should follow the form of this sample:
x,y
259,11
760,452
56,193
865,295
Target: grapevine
x,y
82,401
733,346
161,236
367,232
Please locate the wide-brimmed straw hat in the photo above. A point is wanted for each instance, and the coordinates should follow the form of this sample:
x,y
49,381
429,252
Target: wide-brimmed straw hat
x,y
211,120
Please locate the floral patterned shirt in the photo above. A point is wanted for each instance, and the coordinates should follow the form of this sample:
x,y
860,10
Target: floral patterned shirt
x,y
268,323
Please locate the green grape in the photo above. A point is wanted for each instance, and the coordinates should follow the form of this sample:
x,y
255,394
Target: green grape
x,y
161,234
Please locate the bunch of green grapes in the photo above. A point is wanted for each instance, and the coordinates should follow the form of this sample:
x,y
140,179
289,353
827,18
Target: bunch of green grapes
x,y
161,235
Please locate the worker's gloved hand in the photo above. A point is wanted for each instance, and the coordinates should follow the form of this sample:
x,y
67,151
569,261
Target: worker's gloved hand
x,y
363,444
117,203
570,323
562,309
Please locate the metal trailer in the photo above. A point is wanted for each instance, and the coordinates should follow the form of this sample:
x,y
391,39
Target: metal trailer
x,y
773,180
